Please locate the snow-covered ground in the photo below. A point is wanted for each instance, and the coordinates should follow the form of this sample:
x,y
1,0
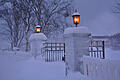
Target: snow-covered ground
x,y
24,67
16,68
112,54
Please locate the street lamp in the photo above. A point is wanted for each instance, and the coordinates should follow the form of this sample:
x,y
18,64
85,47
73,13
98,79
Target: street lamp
x,y
38,29
76,18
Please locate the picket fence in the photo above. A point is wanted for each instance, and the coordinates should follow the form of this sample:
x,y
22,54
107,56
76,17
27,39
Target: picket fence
x,y
101,69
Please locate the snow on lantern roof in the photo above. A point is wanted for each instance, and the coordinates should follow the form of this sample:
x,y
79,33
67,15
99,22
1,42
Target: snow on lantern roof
x,y
38,26
81,29
76,13
38,36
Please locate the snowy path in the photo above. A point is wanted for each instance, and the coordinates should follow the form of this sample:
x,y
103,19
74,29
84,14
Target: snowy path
x,y
31,69
36,70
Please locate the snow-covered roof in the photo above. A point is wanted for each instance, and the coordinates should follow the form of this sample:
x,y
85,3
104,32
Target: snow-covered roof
x,y
76,13
38,26
80,29
38,36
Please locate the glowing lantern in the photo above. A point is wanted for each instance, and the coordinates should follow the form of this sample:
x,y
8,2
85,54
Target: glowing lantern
x,y
38,29
76,18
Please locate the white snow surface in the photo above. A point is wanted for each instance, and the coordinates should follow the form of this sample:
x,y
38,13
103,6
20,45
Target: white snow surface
x,y
24,67
12,67
112,54
38,36
80,29
38,26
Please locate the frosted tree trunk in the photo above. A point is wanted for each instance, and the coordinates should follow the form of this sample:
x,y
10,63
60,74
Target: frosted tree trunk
x,y
27,43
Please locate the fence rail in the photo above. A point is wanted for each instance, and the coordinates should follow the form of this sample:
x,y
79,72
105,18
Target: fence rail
x,y
54,51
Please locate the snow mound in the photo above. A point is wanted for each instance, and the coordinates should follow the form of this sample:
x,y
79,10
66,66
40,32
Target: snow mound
x,y
38,36
76,76
34,69
80,29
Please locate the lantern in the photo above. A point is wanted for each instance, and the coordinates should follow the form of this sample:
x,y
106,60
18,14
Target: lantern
x,y
76,18
38,29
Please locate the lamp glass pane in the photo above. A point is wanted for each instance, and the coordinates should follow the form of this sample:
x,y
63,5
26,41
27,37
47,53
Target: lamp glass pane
x,y
37,29
76,19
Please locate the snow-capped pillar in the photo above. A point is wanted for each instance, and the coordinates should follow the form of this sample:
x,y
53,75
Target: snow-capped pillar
x,y
76,45
36,43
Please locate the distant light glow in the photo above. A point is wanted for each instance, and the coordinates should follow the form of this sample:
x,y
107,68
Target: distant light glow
x,y
38,29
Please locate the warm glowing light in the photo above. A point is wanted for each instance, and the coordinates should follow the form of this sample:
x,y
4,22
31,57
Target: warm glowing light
x,y
76,19
38,29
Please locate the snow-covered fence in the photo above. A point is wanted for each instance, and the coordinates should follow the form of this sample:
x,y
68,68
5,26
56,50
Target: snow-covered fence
x,y
16,55
101,69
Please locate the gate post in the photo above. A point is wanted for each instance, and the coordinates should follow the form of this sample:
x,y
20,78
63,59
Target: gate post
x,y
76,45
36,43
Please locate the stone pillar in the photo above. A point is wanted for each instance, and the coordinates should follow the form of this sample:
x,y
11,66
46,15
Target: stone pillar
x,y
76,45
36,43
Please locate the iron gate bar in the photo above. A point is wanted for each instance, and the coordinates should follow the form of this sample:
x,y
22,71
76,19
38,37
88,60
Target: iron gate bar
x,y
97,49
54,51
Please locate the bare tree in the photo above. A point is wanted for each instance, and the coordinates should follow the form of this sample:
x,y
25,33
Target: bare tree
x,y
50,14
14,31
2,2
47,13
116,8
26,15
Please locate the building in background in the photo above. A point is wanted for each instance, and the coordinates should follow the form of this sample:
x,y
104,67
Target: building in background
x,y
103,38
115,41
112,41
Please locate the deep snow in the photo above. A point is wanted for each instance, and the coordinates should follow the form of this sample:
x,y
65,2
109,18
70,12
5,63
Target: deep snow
x,y
12,67
24,67
112,54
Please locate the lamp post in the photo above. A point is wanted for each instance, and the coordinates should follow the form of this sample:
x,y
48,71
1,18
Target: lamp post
x,y
76,18
38,29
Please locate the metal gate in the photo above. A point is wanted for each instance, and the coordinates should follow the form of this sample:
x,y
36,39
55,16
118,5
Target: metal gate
x,y
97,49
54,52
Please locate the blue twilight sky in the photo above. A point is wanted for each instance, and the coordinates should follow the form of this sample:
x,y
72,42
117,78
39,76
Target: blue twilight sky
x,y
97,15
